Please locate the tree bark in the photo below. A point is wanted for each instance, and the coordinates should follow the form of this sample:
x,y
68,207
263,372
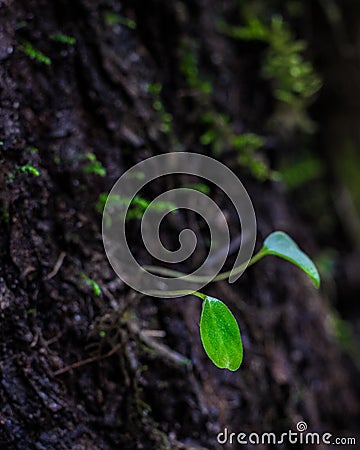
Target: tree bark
x,y
78,370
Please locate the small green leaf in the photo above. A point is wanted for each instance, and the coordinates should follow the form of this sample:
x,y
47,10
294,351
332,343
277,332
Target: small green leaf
x,y
280,244
220,334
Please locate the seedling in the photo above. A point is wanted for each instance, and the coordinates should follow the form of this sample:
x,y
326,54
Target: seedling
x,y
219,331
30,51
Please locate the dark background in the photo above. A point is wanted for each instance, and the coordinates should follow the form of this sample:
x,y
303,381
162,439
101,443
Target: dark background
x,y
82,368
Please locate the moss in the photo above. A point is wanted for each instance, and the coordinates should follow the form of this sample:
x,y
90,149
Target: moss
x,y
166,125
93,166
93,284
111,19
63,38
33,53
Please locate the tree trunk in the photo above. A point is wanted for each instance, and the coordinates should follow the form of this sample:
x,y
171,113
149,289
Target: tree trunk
x,y
80,370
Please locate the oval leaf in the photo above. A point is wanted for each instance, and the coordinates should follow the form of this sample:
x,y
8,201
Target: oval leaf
x,y
220,334
280,244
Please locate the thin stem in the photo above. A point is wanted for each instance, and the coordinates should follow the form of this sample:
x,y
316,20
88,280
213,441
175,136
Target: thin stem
x,y
202,279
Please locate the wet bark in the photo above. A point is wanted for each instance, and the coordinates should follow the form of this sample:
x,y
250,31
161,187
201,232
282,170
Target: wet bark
x,y
63,383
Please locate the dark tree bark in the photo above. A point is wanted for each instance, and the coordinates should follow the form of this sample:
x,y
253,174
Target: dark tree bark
x,y
64,386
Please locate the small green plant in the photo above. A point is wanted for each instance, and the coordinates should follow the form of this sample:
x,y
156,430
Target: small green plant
x,y
93,166
63,38
30,51
93,284
33,150
219,331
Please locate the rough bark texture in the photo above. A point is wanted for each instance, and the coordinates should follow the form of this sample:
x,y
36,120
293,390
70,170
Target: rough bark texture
x,y
124,390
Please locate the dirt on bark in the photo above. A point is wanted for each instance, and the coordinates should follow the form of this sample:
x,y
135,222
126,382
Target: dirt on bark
x,y
80,370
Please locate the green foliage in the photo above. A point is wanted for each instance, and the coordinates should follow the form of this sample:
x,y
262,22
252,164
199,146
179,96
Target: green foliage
x,y
301,171
30,51
154,88
189,68
135,206
219,330
63,38
94,166
111,19
165,117
201,187
247,145
33,150
346,337
295,8
220,334
28,168
100,204
248,142
294,78
218,132
280,244
93,284
4,215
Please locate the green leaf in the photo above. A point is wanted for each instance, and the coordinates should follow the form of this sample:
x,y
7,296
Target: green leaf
x,y
220,334
280,244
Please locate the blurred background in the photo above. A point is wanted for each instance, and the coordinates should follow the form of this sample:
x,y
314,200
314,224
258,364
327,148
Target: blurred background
x,y
90,88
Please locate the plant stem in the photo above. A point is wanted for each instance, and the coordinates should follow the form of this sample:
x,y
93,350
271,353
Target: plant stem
x,y
201,279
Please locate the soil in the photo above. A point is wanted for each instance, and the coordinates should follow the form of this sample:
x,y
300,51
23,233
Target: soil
x,y
85,371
